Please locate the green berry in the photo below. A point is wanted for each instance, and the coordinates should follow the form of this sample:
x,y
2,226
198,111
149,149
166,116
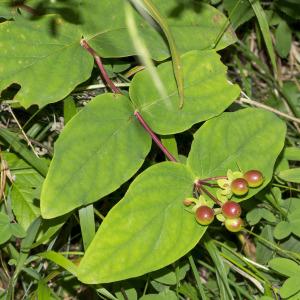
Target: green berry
x,y
239,186
254,178
204,215
231,210
234,225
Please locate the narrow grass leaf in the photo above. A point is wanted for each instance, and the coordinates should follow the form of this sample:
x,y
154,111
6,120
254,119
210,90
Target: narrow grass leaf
x,y
264,27
87,224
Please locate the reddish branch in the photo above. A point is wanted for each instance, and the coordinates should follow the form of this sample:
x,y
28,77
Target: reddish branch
x,y
116,90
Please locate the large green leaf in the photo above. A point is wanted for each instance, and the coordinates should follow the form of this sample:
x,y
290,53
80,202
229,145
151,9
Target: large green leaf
x,y
195,26
44,57
148,229
247,139
206,89
25,190
99,149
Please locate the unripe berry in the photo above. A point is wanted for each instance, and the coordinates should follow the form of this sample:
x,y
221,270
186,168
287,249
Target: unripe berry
x,y
234,225
239,186
254,178
231,210
204,215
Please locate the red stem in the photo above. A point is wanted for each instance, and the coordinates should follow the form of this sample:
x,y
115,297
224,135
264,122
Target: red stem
x,y
98,60
214,178
199,186
116,90
154,137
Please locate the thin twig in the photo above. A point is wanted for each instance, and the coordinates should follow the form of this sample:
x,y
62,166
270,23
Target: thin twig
x,y
154,137
23,132
98,60
116,90
247,100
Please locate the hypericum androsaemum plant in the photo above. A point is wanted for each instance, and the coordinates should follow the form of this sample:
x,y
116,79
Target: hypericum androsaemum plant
x,y
106,143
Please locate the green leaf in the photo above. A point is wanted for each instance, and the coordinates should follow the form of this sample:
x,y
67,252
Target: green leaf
x,y
194,26
13,140
60,260
99,149
283,38
292,153
207,93
47,63
5,230
264,27
165,295
253,216
282,230
291,175
87,224
247,139
284,266
289,7
147,230
239,11
290,287
17,230
43,291
25,190
6,11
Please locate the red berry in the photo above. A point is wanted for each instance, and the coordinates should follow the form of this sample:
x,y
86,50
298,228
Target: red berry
x,y
204,215
234,225
254,178
239,186
231,210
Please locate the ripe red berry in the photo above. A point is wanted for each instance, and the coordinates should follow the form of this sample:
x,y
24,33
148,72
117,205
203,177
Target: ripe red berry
x,y
254,178
204,215
234,225
239,186
231,210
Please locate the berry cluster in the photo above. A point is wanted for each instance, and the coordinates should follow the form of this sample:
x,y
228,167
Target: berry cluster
x,y
228,212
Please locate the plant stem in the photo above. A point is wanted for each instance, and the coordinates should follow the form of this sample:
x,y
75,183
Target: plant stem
x,y
154,137
199,185
116,90
98,60
213,178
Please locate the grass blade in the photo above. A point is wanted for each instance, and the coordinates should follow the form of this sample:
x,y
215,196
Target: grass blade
x,y
177,67
264,27
87,224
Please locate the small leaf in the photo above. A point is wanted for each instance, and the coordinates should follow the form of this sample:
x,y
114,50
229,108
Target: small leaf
x,y
165,295
94,155
291,175
283,37
282,230
290,287
292,153
60,260
147,230
254,216
284,266
5,230
267,215
17,230
207,93
25,189
247,139
239,11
